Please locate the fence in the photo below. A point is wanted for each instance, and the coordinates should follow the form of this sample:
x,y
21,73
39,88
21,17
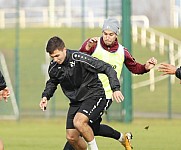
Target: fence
x,y
45,17
162,42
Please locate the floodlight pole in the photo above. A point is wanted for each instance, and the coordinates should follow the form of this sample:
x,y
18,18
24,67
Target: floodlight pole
x,y
83,21
126,41
51,13
169,91
107,8
17,55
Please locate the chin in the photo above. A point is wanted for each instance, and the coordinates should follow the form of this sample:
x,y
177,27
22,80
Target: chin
x,y
108,44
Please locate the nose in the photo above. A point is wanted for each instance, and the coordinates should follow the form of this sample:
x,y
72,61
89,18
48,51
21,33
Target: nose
x,y
107,36
55,59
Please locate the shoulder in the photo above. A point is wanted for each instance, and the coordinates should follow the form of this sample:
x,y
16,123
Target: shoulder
x,y
126,50
79,56
127,53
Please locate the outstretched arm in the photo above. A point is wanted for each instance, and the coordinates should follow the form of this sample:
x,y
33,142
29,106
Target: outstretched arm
x,y
136,67
167,69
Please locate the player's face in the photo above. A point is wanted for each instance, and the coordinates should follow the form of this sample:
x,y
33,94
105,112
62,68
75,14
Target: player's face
x,y
109,37
58,55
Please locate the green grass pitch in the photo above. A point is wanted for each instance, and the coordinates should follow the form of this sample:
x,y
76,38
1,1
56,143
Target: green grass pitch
x,y
49,134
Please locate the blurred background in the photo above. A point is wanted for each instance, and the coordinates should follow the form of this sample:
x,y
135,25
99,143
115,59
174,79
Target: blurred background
x,y
154,29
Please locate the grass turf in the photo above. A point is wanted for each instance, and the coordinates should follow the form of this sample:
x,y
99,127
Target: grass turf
x,y
43,134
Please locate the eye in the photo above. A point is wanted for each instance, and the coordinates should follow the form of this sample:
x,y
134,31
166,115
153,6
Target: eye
x,y
55,56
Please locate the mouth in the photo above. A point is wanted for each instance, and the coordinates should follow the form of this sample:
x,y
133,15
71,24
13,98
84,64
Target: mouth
x,y
58,61
107,41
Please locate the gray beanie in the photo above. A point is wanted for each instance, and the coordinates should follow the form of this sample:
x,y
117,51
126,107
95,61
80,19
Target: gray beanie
x,y
111,24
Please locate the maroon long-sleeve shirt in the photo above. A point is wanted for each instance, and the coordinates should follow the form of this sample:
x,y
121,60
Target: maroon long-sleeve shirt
x,y
129,61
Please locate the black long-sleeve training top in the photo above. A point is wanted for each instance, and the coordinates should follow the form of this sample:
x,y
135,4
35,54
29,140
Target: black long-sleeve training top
x,y
78,77
178,73
2,82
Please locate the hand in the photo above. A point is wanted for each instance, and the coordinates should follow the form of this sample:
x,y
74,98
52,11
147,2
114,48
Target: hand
x,y
118,96
43,103
91,42
150,63
4,94
167,69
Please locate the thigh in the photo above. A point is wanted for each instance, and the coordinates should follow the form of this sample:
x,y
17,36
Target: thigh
x,y
93,108
70,116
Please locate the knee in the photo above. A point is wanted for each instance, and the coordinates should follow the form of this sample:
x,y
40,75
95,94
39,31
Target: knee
x,y
71,138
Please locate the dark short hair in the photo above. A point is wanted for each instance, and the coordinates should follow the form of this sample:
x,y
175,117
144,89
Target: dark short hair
x,y
54,43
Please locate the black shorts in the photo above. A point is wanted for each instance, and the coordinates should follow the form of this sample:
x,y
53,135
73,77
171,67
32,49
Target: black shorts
x,y
92,108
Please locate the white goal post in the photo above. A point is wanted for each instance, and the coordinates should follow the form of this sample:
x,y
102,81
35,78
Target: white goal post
x,y
10,109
